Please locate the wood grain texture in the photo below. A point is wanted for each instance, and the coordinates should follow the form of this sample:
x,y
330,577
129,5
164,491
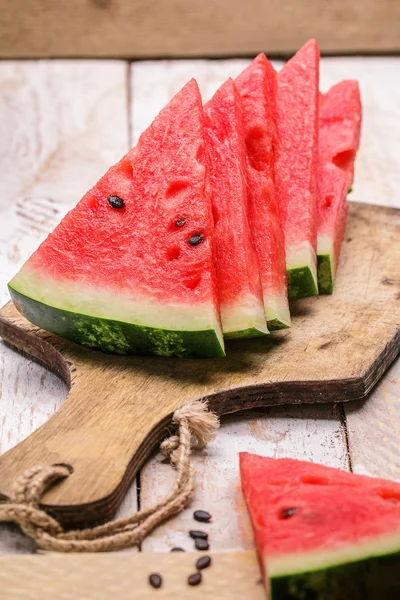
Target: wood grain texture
x,y
139,28
233,576
119,407
373,427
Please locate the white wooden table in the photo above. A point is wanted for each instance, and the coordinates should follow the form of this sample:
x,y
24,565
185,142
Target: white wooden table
x,y
62,124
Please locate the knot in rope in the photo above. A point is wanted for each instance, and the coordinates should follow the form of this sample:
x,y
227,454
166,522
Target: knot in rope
x,y
195,427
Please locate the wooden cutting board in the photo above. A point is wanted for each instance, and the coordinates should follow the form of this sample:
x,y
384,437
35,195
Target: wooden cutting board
x,y
233,576
119,408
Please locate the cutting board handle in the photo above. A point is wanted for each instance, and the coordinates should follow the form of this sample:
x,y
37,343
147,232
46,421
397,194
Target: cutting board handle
x,y
110,422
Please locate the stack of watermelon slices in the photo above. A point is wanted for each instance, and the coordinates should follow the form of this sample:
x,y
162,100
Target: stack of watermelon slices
x,y
206,228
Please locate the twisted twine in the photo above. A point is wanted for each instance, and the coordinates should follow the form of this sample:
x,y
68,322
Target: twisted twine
x,y
195,425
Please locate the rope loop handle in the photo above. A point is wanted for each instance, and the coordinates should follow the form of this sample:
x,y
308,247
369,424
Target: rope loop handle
x,y
195,426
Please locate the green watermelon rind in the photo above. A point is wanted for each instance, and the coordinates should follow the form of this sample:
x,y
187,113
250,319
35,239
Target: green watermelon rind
x,y
251,332
326,263
118,337
301,269
243,318
325,273
276,325
301,283
326,575
277,311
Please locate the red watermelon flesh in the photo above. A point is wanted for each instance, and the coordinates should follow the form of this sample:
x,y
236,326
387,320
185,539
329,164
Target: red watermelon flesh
x,y
140,278
296,166
339,138
257,88
315,525
242,311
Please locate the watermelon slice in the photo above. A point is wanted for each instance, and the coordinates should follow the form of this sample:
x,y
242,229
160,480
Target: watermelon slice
x,y
296,166
339,138
242,310
257,88
323,533
131,268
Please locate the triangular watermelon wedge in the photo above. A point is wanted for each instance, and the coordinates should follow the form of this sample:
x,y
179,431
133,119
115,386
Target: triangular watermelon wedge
x,y
296,166
257,88
242,311
339,138
322,533
131,267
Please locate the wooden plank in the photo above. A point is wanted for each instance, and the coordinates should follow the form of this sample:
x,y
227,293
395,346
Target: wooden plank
x,y
373,429
63,123
313,433
232,576
138,28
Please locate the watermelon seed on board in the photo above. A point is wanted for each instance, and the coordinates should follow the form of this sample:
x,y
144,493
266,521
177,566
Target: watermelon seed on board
x,y
202,515
203,563
155,580
201,544
194,579
194,534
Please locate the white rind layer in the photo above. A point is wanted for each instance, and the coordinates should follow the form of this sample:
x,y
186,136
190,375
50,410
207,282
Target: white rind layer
x,y
97,302
277,307
304,562
325,247
246,313
302,255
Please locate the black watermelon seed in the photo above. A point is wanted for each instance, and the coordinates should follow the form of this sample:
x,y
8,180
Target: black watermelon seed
x,y
177,549
201,544
155,580
201,515
116,202
194,579
286,513
195,239
202,535
180,222
203,562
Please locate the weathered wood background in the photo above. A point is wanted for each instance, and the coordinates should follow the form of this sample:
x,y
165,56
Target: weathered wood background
x,y
166,28
62,124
